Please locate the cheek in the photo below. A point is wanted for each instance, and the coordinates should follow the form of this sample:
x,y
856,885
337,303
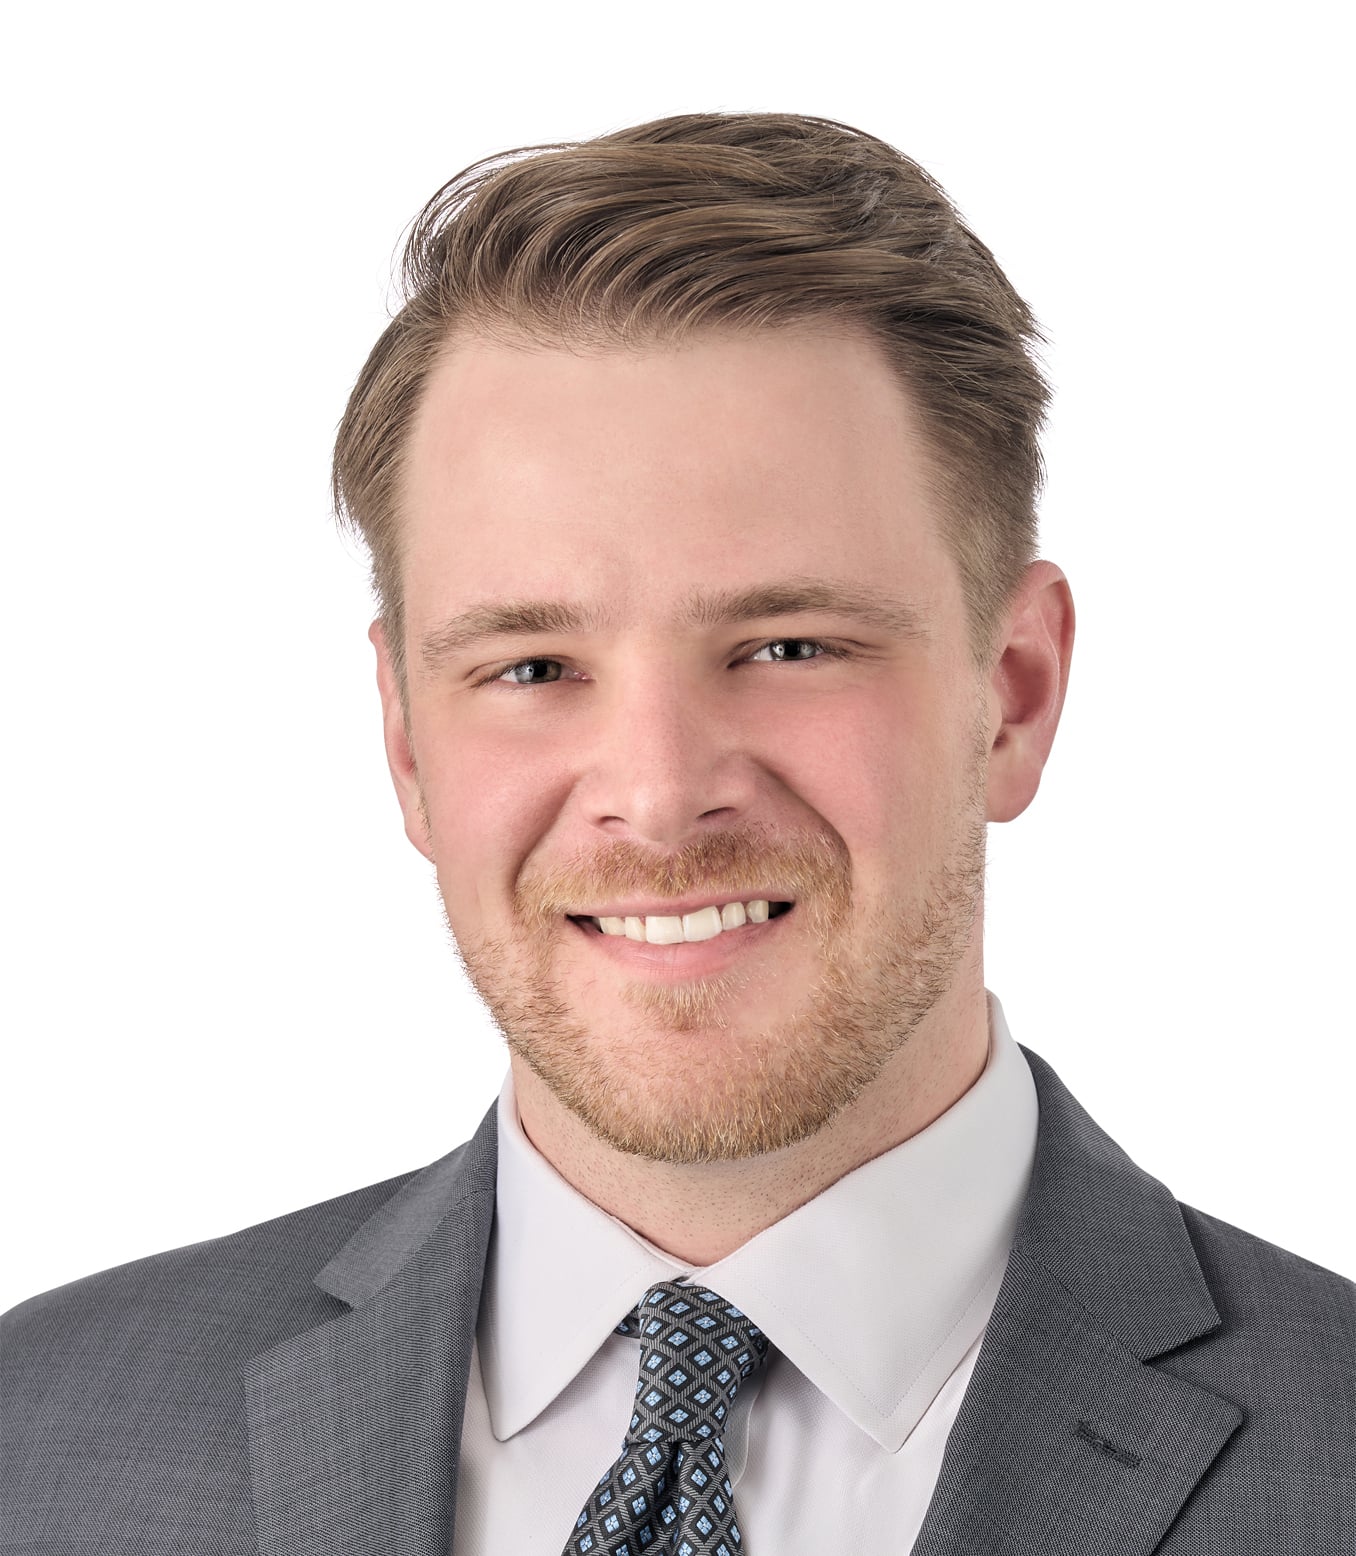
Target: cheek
x,y
490,801
883,773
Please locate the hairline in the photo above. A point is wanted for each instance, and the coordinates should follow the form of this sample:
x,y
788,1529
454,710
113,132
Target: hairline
x,y
542,337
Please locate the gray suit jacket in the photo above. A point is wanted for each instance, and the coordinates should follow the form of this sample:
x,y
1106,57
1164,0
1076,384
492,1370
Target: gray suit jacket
x,y
1151,1380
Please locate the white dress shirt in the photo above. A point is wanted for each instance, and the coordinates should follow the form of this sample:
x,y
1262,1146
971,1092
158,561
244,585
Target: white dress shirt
x,y
874,1296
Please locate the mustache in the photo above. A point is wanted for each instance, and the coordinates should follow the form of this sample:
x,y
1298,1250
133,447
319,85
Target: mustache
x,y
735,862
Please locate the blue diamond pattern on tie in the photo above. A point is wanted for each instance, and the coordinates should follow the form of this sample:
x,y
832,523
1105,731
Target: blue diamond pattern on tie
x,y
668,1490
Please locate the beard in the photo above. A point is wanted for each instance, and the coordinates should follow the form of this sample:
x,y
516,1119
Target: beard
x,y
678,1082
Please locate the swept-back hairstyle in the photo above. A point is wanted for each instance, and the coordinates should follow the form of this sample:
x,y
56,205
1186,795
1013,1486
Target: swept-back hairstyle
x,y
741,221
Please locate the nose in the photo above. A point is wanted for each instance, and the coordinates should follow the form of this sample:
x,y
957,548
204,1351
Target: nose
x,y
667,763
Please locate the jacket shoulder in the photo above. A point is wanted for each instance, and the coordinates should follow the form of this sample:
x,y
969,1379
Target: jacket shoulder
x,y
1285,1353
272,1264
1298,1317
123,1397
1240,1319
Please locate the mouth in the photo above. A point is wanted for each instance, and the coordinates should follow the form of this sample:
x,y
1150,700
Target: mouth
x,y
707,921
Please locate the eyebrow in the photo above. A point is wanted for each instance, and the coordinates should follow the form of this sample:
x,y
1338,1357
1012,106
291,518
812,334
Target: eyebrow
x,y
809,596
723,607
512,618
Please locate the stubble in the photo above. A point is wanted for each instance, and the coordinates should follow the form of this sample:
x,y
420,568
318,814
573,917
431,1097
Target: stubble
x,y
678,1083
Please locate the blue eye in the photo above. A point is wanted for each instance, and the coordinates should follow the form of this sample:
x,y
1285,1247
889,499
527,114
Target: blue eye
x,y
534,672
787,650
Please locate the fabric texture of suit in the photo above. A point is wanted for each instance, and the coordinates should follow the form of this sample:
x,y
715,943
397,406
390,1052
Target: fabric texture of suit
x,y
1151,1380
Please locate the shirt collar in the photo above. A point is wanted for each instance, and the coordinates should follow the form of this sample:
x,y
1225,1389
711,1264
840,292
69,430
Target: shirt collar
x,y
559,1276
907,1251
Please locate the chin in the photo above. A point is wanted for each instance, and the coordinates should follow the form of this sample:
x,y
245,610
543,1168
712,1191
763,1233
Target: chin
x,y
698,1087
713,1117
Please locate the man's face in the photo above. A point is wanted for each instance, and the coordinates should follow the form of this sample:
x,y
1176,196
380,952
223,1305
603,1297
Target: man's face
x,y
682,633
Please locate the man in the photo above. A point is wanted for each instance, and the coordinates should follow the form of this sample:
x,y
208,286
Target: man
x,y
698,474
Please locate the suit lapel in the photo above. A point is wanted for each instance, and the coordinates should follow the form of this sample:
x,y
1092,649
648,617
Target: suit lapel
x,y
1068,1442
355,1425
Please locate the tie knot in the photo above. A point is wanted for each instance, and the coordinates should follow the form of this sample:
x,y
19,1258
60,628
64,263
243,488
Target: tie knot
x,y
695,1351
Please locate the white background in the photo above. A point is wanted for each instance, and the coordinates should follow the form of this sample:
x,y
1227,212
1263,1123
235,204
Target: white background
x,y
229,991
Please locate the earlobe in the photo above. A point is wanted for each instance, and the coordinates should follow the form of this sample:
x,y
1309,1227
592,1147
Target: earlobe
x,y
1026,688
399,752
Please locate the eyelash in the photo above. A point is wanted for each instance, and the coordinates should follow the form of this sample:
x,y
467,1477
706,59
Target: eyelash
x,y
826,651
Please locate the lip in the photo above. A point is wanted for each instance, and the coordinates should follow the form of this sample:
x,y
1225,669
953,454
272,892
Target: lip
x,y
675,907
694,959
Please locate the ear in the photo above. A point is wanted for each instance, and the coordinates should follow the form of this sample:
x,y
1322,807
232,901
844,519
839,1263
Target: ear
x,y
399,754
1026,688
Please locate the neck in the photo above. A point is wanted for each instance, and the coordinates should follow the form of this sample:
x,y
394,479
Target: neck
x,y
699,1214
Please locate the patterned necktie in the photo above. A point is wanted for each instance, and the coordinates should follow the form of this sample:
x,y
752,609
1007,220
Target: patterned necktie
x,y
669,1489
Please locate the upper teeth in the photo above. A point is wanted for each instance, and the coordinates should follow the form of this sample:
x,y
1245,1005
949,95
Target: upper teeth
x,y
704,924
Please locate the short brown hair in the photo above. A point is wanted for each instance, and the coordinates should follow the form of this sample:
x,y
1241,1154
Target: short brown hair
x,y
646,235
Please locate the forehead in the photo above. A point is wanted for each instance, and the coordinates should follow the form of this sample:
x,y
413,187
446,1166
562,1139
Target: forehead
x,y
637,479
